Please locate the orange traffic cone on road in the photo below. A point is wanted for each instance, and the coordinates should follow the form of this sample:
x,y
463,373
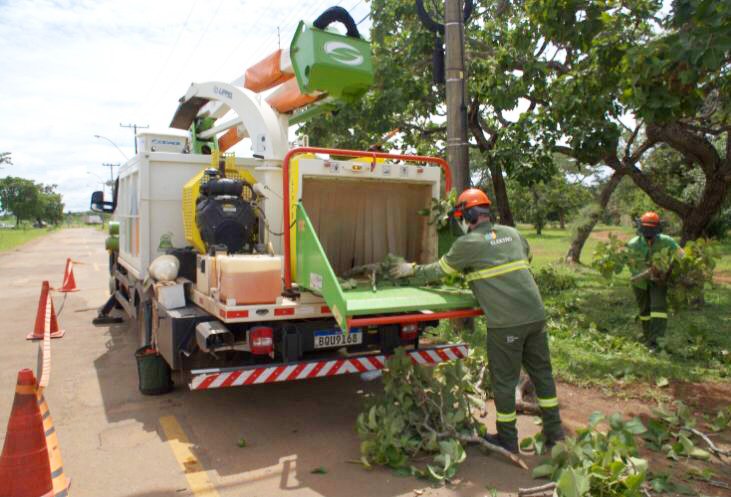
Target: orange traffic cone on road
x,y
25,470
69,282
60,482
45,317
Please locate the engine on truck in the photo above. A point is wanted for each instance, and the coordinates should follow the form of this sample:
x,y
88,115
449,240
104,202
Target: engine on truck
x,y
225,214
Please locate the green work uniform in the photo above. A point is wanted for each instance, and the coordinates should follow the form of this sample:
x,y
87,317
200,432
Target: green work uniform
x,y
494,260
651,295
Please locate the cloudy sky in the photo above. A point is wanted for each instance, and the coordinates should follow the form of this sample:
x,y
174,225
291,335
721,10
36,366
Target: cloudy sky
x,y
70,70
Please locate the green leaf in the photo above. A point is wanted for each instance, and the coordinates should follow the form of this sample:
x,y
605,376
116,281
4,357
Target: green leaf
x,y
543,471
573,483
698,453
662,382
526,444
635,426
241,443
319,471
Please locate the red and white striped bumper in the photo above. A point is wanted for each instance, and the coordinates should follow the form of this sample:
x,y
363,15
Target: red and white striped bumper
x,y
205,379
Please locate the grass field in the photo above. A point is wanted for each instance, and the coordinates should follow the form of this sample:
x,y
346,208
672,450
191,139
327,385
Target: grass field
x,y
595,338
11,238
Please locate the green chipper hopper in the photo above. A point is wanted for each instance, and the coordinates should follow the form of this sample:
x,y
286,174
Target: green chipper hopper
x,y
328,62
314,273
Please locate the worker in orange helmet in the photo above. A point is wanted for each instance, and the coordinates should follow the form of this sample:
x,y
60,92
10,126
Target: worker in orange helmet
x,y
649,287
494,260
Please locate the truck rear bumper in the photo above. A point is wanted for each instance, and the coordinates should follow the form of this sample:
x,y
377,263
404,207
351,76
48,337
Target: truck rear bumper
x,y
206,379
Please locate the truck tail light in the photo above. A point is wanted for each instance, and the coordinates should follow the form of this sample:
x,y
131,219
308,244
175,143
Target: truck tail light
x,y
261,340
409,332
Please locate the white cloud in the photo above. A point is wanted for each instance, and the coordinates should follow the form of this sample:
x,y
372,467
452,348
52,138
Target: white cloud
x,y
73,69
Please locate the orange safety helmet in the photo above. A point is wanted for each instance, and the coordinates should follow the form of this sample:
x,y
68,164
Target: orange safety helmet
x,y
472,197
650,219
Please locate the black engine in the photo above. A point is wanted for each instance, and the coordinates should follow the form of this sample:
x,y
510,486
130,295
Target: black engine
x,y
224,213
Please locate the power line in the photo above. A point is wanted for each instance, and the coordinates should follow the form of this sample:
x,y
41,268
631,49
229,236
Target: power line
x,y
172,50
195,49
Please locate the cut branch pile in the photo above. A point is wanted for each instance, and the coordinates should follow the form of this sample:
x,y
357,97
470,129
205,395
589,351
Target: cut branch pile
x,y
424,411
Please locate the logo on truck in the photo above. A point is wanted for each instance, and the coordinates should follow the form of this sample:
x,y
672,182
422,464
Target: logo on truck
x,y
343,53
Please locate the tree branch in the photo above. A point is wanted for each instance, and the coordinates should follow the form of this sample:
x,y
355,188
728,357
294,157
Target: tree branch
x,y
694,147
658,195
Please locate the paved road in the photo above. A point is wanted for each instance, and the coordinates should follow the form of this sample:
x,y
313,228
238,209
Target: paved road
x,y
117,442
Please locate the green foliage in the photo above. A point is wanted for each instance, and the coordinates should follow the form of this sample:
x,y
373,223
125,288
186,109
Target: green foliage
x,y
438,211
669,431
5,158
556,200
27,200
422,411
554,279
597,463
686,275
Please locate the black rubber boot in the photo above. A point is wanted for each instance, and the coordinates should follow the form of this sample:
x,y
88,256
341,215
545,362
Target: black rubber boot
x,y
554,438
509,445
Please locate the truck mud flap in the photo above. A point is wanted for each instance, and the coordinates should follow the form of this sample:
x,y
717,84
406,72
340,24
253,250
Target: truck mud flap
x,y
206,379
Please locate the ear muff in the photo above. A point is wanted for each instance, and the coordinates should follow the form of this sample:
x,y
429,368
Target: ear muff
x,y
471,215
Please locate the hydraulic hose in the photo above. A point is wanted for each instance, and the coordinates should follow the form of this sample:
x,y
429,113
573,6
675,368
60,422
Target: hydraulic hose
x,y
337,14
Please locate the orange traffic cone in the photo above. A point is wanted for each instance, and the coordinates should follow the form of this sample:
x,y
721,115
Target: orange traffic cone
x,y
69,282
60,482
45,317
25,470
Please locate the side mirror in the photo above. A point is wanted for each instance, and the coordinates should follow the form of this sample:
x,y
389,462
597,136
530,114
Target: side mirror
x,y
98,204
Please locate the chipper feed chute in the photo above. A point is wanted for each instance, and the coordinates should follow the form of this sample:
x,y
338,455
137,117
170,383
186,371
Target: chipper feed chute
x,y
315,274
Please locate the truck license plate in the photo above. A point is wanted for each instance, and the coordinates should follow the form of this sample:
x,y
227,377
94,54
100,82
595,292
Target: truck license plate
x,y
336,338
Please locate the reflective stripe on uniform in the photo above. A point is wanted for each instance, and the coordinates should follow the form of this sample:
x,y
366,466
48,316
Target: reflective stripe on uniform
x,y
494,271
659,315
645,318
506,418
548,402
446,267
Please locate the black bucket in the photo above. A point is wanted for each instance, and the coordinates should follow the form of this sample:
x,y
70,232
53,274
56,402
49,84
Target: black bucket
x,y
153,372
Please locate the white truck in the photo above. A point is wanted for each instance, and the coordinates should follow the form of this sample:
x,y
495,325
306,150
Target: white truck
x,y
278,253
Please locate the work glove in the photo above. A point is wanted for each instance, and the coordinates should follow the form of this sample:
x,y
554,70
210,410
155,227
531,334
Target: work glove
x,y
402,270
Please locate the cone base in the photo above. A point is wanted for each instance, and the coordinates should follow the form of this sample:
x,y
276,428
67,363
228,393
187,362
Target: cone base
x,y
64,492
55,334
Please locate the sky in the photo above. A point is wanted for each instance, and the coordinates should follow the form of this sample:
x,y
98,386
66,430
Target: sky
x,y
70,70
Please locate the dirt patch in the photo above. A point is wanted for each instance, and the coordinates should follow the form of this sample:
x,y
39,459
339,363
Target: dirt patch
x,y
603,235
723,277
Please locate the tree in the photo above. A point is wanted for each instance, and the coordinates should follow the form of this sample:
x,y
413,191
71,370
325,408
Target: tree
x,y
555,200
50,205
5,159
669,73
20,197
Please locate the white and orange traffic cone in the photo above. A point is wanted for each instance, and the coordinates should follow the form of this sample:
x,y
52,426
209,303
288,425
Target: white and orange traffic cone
x,y
46,316
60,483
69,282
25,469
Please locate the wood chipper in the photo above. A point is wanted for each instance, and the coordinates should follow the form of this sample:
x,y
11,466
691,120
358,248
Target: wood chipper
x,y
278,255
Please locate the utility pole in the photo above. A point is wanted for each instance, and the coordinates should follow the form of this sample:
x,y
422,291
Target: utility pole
x,y
135,127
111,172
456,88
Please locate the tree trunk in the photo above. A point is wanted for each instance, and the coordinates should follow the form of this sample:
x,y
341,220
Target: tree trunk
x,y
582,232
501,195
562,219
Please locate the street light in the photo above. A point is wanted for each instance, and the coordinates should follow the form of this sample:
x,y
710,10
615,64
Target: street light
x,y
115,145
